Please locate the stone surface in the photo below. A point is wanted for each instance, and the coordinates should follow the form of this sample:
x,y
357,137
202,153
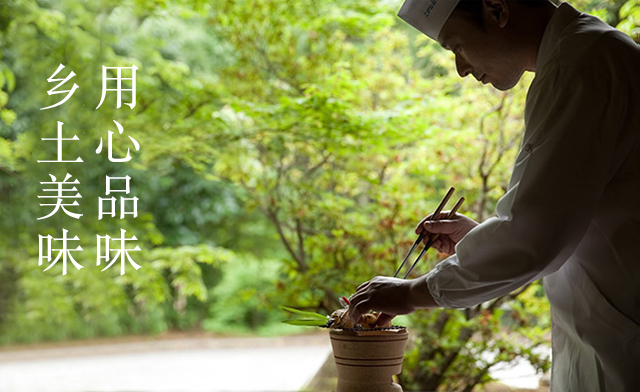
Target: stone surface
x,y
183,365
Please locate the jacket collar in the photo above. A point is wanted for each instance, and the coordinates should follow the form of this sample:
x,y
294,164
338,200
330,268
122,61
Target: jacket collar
x,y
564,15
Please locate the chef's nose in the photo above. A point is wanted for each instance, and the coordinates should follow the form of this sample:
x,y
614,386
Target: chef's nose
x,y
463,67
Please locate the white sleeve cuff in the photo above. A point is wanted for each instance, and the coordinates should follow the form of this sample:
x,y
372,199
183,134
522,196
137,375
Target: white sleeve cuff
x,y
434,282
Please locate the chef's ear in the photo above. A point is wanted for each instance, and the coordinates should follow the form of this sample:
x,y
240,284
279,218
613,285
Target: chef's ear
x,y
496,11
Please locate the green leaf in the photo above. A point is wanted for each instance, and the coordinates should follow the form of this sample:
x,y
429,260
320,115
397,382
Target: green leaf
x,y
306,322
308,315
10,79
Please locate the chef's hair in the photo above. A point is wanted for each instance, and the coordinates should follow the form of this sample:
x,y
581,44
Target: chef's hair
x,y
473,8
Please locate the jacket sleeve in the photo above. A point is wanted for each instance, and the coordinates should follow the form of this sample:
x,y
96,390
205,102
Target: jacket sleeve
x,y
572,121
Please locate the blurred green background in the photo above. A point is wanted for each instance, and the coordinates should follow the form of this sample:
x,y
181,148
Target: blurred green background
x,y
287,151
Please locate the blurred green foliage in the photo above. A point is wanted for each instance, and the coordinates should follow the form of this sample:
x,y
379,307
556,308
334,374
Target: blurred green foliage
x,y
287,151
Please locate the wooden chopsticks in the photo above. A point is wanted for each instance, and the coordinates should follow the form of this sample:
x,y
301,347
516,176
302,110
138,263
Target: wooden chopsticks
x,y
433,238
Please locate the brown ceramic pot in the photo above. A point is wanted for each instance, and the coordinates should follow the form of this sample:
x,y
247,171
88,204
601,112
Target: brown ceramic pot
x,y
367,360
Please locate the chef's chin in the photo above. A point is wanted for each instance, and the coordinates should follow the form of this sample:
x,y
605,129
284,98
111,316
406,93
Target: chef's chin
x,y
506,83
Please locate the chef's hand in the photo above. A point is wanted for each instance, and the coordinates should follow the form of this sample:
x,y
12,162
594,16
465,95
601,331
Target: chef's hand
x,y
391,297
450,231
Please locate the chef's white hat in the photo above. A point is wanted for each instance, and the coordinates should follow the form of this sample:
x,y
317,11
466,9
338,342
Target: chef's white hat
x,y
428,16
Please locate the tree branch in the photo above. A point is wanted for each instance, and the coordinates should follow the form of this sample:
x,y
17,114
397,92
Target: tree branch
x,y
301,252
274,219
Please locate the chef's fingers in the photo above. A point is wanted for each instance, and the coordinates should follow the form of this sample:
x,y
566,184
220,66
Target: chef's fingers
x,y
426,239
439,245
357,298
444,226
384,318
366,285
420,228
363,286
445,245
356,311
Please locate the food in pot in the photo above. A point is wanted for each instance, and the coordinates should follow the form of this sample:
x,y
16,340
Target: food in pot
x,y
340,319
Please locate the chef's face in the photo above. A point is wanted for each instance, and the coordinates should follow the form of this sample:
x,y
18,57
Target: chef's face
x,y
484,51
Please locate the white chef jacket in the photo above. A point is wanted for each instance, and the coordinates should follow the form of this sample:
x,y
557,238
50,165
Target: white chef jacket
x,y
572,211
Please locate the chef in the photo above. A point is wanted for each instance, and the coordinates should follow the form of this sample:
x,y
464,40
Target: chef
x,y
572,210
